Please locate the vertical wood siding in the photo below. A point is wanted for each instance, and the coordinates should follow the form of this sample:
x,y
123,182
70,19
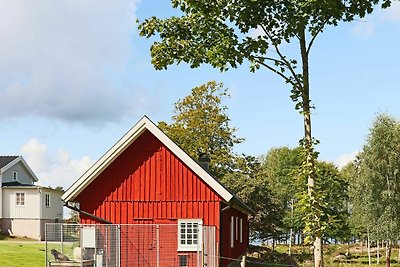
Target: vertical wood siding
x,y
148,182
238,247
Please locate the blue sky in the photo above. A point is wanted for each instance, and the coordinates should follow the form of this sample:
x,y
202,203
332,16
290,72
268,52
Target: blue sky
x,y
75,76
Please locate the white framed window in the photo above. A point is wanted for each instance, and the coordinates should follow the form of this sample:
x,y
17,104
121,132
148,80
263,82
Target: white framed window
x,y
189,234
47,200
15,175
232,231
20,199
241,230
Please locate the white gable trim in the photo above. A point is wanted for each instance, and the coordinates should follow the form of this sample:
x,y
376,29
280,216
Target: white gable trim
x,y
125,142
15,161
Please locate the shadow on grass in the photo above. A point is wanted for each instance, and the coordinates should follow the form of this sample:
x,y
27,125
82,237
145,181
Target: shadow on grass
x,y
265,257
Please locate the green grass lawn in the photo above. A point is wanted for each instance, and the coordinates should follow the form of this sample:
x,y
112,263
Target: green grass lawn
x,y
21,254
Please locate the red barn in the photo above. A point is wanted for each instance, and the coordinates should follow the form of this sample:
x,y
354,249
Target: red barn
x,y
145,178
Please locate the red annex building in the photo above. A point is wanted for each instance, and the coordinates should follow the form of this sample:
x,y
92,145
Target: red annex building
x,y
145,178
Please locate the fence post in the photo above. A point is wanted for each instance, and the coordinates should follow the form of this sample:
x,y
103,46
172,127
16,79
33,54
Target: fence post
x,y
45,238
62,239
158,244
243,262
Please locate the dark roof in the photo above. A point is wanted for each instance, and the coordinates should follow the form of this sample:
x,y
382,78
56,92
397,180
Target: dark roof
x,y
4,160
15,183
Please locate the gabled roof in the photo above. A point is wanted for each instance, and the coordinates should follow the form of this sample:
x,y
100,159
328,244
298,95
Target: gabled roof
x,y
6,162
16,184
146,124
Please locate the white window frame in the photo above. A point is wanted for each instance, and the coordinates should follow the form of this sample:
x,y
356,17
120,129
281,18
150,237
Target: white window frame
x,y
47,202
184,235
15,175
241,230
232,231
20,199
237,228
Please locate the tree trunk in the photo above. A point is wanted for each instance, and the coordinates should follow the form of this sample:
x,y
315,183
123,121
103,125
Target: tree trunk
x,y
291,229
398,255
305,93
318,259
290,242
273,243
377,252
368,248
388,252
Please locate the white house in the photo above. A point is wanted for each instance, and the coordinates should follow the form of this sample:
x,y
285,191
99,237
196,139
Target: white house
x,y
25,208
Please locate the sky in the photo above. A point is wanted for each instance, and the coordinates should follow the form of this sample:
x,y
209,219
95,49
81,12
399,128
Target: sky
x,y
75,77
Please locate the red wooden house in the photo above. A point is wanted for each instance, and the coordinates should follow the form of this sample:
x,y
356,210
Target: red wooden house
x,y
145,178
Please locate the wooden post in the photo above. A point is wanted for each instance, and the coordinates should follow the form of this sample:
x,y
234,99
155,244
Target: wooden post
x,y
243,262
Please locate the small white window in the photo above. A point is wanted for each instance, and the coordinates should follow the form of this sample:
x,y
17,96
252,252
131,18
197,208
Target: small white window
x,y
20,199
237,228
15,175
241,230
189,234
232,231
47,200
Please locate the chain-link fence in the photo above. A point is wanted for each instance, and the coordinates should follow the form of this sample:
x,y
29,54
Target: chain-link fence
x,y
157,245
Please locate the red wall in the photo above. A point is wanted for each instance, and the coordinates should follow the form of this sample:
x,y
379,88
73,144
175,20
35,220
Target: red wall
x,y
239,248
149,181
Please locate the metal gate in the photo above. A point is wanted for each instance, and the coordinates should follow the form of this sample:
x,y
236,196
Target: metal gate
x,y
149,245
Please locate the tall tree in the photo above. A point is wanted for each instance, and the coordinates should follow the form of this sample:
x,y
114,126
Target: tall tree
x,y
279,166
218,33
201,125
251,185
375,188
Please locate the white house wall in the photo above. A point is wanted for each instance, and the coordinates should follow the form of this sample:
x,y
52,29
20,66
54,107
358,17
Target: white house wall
x,y
1,197
24,176
56,206
31,209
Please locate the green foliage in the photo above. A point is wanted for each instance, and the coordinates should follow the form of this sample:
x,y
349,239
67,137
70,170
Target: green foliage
x,y
375,182
200,125
279,168
223,34
252,187
326,209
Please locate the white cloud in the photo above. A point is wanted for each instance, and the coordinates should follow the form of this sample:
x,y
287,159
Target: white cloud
x,y
393,13
346,158
254,33
60,59
364,28
54,169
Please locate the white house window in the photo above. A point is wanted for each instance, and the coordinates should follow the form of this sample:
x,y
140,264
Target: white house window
x,y
189,234
232,231
47,200
20,199
15,175
241,230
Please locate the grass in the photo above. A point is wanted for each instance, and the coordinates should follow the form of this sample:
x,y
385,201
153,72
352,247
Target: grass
x,y
21,254
302,256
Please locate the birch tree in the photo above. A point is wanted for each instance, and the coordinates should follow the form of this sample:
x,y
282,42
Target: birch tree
x,y
374,190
